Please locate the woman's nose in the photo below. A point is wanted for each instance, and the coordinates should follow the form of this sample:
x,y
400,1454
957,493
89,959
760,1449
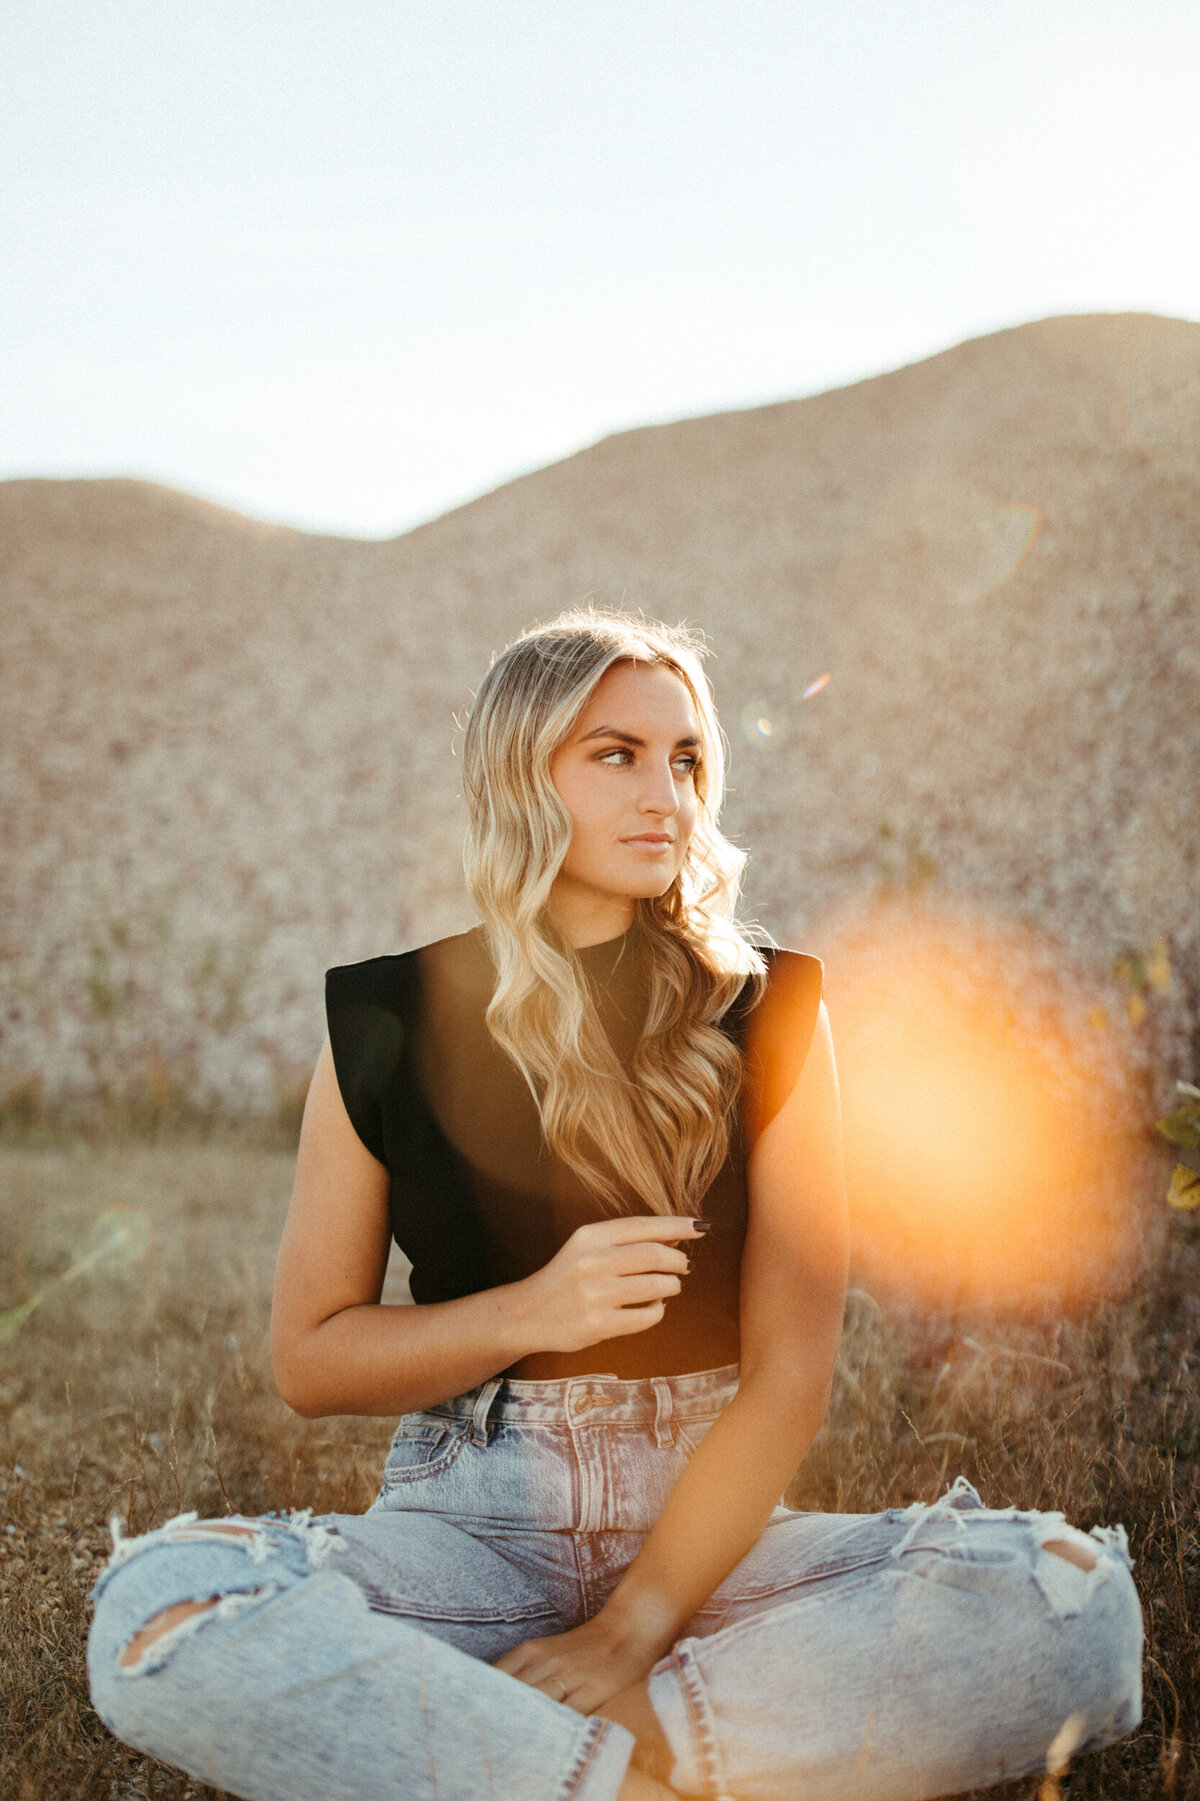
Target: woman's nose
x,y
659,793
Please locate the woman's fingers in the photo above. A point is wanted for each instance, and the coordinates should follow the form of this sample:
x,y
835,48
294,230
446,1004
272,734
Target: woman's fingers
x,y
640,1228
642,1259
547,1683
535,1664
580,1668
613,1275
521,1660
634,1319
634,1291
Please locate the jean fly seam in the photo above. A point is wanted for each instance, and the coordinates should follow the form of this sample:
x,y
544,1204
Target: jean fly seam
x,y
590,1494
583,1577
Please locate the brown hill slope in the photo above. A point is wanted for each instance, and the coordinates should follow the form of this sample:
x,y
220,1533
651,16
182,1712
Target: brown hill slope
x,y
227,761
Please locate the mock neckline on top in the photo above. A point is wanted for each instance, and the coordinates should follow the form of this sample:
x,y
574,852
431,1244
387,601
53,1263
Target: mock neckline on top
x,y
604,955
602,944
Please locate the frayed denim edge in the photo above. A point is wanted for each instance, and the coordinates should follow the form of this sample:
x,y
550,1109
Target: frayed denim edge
x,y
319,1541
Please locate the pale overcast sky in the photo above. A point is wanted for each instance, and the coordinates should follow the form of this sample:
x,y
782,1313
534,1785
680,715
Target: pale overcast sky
x,y
349,264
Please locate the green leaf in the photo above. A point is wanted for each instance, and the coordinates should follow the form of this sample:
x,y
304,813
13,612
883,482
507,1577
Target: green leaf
x,y
1182,1127
1184,1192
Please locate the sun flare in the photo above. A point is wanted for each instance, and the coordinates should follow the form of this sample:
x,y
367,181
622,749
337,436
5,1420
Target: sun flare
x,y
989,1152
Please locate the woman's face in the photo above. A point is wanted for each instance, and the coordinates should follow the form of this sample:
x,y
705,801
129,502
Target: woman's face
x,y
627,776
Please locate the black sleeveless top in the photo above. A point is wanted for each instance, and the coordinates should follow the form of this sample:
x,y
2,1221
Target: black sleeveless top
x,y
477,1199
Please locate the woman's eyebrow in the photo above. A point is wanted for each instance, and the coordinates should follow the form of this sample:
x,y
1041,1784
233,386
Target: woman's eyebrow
x,y
612,731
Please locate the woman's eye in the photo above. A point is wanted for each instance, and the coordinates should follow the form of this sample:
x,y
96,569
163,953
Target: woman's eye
x,y
620,756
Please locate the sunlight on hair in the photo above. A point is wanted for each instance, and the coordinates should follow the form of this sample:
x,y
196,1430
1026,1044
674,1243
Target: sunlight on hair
x,y
660,1139
991,1150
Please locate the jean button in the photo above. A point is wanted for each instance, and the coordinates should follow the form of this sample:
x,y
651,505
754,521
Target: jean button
x,y
585,1403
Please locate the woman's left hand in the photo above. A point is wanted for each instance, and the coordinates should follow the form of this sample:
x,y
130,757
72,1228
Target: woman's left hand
x,y
582,1668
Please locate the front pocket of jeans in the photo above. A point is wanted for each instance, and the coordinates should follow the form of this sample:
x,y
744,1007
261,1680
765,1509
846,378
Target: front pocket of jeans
x,y
691,1436
421,1452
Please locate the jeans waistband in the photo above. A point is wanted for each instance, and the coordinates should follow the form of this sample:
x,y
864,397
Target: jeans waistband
x,y
575,1400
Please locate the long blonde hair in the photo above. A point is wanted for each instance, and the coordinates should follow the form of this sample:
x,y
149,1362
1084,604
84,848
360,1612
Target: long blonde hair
x,y
652,1140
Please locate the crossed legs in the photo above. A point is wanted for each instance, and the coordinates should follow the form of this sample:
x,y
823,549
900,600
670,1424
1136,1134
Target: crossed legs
x,y
776,1640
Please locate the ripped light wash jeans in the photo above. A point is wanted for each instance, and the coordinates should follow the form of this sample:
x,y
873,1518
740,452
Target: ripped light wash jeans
x,y
849,1657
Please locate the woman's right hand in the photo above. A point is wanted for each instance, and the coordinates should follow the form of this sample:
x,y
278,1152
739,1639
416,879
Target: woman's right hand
x,y
611,1278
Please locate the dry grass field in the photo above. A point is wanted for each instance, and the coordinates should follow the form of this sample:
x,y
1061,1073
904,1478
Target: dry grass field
x,y
143,1389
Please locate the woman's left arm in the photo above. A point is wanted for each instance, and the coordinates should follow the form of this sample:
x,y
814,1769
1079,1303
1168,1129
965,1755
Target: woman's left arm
x,y
792,1296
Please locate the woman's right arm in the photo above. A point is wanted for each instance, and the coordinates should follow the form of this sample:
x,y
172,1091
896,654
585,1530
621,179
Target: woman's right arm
x,y
336,1349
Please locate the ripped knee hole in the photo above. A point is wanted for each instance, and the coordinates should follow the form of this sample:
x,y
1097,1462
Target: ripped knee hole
x,y
163,1622
1084,1557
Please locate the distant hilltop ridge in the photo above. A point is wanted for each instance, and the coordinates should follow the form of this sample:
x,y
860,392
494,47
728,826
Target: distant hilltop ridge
x,y
227,746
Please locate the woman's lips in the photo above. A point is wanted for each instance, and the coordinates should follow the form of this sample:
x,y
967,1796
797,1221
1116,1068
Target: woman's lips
x,y
650,841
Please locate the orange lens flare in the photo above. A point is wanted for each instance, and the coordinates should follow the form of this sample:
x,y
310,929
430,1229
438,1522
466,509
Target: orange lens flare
x,y
990,1143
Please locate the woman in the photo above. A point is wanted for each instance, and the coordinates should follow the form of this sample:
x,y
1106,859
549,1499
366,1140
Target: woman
x,y
604,1127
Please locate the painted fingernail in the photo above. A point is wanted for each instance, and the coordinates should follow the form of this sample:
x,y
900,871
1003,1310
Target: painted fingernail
x,y
702,1225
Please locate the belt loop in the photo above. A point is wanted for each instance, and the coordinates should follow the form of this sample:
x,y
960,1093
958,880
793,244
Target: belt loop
x,y
483,1406
664,1432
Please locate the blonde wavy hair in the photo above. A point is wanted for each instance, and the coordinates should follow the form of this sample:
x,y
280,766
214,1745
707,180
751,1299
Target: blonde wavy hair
x,y
653,1139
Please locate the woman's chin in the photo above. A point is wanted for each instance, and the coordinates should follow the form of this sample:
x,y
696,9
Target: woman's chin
x,y
652,888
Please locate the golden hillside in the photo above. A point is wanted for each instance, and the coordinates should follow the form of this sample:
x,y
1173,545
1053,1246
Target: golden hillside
x,y
227,748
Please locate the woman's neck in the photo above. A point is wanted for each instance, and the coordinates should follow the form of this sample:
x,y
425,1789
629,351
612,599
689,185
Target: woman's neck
x,y
586,917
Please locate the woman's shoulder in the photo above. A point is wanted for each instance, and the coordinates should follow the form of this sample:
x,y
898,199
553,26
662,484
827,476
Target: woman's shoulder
x,y
376,1010
794,978
790,966
391,980
775,1029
